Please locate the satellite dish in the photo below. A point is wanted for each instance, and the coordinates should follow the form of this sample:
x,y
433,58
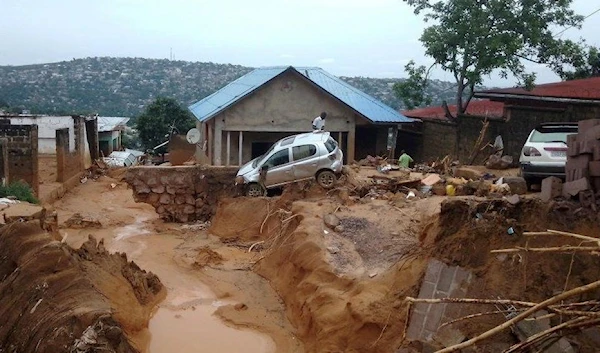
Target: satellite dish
x,y
193,136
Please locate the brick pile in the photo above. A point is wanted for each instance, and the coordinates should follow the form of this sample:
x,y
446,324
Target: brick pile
x,y
583,163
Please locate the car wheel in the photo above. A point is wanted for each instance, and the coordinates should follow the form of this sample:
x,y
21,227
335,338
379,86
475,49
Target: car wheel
x,y
254,190
326,179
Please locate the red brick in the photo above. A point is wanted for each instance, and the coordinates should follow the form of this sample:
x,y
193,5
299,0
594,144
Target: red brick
x,y
584,125
594,168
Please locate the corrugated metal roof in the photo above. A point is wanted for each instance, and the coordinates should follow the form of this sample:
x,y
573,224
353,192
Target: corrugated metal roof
x,y
367,106
110,123
588,88
482,108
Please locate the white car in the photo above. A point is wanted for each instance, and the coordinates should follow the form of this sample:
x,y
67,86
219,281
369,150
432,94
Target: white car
x,y
294,158
545,151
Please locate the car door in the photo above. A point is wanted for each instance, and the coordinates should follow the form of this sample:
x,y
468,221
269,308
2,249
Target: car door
x,y
280,168
305,161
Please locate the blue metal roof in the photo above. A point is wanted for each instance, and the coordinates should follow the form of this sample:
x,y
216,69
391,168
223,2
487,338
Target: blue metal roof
x,y
367,106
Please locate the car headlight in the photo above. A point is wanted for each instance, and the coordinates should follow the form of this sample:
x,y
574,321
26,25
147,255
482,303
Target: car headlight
x,y
239,180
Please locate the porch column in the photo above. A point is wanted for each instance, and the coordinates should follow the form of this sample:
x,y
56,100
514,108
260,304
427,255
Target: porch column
x,y
218,141
228,147
340,142
240,142
210,143
351,144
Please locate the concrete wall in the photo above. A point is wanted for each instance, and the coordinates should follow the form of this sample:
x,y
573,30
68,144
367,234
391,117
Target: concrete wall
x,y
184,193
47,126
22,149
71,159
286,105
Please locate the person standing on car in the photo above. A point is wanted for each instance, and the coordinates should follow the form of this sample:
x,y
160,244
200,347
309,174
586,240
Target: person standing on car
x,y
319,122
404,160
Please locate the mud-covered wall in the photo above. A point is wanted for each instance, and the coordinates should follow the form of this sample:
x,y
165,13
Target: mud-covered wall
x,y
22,148
183,193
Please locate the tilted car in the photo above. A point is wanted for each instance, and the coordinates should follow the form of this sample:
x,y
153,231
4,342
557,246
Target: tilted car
x,y
545,151
291,159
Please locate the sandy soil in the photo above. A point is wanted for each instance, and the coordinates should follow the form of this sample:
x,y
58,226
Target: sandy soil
x,y
253,317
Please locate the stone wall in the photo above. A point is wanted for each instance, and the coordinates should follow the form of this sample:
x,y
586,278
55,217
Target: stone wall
x,y
22,150
183,193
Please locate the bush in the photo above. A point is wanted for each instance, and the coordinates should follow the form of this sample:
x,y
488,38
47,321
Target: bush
x,y
19,190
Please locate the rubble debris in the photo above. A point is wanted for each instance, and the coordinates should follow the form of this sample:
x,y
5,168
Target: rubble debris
x,y
78,221
497,162
513,199
331,220
517,185
431,179
467,173
572,188
551,188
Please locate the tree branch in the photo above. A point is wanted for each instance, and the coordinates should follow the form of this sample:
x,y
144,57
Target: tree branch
x,y
546,303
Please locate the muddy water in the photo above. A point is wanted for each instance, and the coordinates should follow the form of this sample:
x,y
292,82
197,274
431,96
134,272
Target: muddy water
x,y
184,322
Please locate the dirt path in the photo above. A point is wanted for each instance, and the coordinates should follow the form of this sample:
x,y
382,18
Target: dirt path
x,y
196,287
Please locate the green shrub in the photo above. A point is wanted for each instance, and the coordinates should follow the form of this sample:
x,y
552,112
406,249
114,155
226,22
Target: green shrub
x,y
19,190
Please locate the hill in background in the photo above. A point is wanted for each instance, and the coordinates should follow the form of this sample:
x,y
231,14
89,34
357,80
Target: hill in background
x,y
124,86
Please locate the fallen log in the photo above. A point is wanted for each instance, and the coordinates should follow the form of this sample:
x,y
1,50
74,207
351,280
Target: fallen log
x,y
567,248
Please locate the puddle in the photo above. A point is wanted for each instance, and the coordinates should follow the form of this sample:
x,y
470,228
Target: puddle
x,y
185,318
196,330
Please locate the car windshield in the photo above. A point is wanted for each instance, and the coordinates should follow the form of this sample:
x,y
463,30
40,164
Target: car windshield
x,y
552,136
261,157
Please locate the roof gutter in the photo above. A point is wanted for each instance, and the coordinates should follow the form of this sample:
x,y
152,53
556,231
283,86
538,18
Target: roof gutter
x,y
536,98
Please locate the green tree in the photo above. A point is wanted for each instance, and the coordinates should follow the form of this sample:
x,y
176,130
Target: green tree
x,y
589,66
162,117
413,90
473,38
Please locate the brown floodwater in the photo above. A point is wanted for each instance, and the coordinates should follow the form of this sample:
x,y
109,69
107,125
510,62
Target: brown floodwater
x,y
184,321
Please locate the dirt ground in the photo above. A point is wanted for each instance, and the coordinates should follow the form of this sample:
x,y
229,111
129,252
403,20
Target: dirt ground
x,y
317,270
205,280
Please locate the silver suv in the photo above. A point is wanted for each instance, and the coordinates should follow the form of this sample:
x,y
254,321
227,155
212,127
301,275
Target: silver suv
x,y
294,158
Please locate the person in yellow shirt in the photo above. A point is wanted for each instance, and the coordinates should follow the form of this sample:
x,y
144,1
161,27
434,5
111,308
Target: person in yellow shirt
x,y
404,160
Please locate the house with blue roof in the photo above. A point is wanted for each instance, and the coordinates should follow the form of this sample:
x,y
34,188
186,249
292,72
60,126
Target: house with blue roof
x,y
243,119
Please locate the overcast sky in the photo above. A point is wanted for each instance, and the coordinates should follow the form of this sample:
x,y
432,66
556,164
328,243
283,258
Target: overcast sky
x,y
345,37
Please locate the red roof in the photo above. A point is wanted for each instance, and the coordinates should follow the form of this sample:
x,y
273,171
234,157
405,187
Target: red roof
x,y
484,108
587,88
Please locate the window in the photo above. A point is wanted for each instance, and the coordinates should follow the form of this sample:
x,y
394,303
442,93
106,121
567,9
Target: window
x,y
304,151
554,136
288,140
330,144
279,158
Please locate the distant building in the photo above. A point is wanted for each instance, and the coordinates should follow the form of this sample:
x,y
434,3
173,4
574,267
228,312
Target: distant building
x,y
242,120
110,133
511,112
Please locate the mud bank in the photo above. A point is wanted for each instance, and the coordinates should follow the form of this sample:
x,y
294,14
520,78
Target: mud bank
x,y
84,300
344,290
182,194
